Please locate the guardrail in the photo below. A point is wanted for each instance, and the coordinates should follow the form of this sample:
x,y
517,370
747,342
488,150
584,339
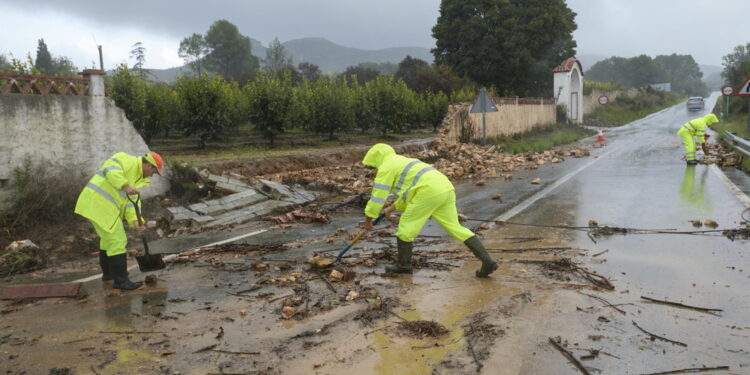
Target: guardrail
x,y
738,143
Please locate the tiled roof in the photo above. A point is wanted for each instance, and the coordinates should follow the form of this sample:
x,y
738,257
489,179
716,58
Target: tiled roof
x,y
567,66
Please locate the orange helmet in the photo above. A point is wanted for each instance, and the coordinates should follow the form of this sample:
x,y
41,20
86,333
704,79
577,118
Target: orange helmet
x,y
155,160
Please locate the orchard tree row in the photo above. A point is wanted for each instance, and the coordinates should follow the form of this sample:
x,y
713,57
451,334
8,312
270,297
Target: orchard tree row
x,y
208,106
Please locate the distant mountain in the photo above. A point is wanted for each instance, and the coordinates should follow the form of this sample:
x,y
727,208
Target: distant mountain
x,y
331,57
328,56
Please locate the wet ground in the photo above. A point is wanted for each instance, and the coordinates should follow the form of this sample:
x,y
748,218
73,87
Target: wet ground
x,y
222,312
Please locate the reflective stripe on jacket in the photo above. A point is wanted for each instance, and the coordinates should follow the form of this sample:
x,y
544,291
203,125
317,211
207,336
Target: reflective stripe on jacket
x,y
697,127
102,200
402,177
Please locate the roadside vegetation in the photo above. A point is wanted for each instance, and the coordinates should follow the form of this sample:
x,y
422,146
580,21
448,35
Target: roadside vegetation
x,y
542,138
625,109
736,70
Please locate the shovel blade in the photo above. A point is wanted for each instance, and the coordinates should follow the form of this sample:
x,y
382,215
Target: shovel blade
x,y
148,263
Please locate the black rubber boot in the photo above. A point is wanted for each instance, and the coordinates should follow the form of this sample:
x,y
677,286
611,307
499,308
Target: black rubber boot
x,y
477,248
104,264
118,266
403,260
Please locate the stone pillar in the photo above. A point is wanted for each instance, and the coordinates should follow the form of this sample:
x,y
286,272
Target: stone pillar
x,y
96,87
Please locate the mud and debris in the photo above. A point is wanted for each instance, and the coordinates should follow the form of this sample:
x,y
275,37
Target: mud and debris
x,y
422,328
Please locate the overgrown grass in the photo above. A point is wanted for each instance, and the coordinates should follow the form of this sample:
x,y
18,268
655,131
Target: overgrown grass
x,y
542,138
243,142
735,123
626,109
43,194
42,201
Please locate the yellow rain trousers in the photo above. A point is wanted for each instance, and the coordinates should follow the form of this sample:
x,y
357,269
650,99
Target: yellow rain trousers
x,y
421,191
104,203
695,128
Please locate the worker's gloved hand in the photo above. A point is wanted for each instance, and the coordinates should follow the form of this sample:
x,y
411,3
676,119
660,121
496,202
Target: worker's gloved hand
x,y
138,227
129,190
366,223
388,213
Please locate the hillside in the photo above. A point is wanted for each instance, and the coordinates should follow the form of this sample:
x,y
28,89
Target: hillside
x,y
329,56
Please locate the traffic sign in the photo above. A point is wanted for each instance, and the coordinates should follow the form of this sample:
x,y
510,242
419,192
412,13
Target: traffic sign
x,y
745,88
483,103
727,90
603,100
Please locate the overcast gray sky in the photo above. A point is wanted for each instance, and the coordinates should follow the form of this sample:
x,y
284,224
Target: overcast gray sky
x,y
707,30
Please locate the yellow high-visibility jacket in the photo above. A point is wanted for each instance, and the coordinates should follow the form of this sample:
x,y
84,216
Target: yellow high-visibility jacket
x,y
697,127
102,200
401,176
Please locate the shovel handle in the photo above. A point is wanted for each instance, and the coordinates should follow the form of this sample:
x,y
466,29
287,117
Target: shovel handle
x,y
140,219
358,237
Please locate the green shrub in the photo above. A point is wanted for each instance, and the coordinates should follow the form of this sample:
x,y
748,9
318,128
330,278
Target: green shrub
x,y
43,194
542,138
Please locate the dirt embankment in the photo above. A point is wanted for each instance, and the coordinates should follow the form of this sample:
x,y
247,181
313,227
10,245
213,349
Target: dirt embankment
x,y
267,165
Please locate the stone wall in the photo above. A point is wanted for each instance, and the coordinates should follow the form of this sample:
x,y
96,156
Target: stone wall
x,y
514,116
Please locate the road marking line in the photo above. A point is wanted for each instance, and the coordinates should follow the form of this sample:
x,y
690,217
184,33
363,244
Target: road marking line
x,y
542,193
744,199
172,256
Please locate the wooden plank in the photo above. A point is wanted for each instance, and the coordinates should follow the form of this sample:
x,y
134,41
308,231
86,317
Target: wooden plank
x,y
41,291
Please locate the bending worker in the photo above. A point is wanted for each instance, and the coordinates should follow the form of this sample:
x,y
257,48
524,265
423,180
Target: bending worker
x,y
422,192
695,128
105,202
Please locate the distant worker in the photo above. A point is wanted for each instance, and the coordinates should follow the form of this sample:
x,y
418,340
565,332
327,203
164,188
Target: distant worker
x,y
104,202
695,128
421,192
600,136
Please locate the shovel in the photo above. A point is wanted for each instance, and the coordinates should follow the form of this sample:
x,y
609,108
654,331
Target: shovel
x,y
358,237
147,262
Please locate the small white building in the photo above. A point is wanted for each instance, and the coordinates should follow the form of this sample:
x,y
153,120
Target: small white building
x,y
568,88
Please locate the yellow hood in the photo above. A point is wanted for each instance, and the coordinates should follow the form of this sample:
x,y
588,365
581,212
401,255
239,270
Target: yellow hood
x,y
378,153
710,119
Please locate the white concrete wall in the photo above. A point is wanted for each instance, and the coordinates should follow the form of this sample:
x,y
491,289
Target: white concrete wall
x,y
65,129
508,120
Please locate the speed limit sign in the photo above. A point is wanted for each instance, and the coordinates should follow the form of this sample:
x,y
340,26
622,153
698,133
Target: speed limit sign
x,y
603,100
727,90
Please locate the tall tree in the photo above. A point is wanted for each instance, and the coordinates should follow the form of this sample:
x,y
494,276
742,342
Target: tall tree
x,y
359,73
230,52
4,63
683,73
192,50
737,65
43,58
138,52
309,71
411,70
276,57
509,44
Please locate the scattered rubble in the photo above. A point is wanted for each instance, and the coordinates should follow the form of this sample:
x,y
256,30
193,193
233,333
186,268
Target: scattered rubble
x,y
423,328
243,205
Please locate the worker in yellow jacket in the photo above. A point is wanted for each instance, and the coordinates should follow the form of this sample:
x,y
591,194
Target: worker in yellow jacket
x,y
421,192
105,202
695,128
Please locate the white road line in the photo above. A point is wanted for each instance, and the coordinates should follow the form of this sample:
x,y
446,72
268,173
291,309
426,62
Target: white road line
x,y
544,192
172,256
743,198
